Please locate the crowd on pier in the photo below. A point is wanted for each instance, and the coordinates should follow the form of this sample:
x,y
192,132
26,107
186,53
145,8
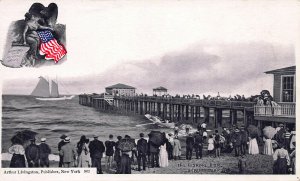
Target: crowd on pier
x,y
122,154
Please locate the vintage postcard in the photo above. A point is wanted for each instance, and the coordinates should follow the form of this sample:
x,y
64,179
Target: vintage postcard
x,y
158,90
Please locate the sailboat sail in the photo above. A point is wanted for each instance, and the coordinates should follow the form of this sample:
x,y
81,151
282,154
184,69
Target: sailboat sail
x,y
54,89
42,88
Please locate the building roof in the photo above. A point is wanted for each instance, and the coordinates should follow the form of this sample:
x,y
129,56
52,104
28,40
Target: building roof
x,y
160,88
119,86
291,69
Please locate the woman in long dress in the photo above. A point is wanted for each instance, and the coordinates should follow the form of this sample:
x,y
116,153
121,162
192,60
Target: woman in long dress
x,y
281,160
268,147
176,148
85,155
163,156
253,147
125,165
79,149
210,147
18,158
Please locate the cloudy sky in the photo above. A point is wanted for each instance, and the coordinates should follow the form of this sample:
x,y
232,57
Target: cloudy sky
x,y
195,47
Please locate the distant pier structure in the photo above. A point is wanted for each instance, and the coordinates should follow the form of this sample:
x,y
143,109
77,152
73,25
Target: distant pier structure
x,y
160,91
193,109
183,110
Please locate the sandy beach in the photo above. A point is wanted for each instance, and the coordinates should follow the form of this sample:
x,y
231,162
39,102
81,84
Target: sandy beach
x,y
226,164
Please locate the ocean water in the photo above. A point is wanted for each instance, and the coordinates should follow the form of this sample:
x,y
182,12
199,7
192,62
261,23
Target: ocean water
x,y
51,119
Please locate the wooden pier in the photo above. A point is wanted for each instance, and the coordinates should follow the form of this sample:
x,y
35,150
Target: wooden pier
x,y
183,110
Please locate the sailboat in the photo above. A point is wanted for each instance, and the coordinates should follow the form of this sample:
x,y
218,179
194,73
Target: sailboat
x,y
42,91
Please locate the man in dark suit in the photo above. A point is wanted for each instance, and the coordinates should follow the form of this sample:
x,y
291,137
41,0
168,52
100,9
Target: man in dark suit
x,y
189,147
142,152
32,153
244,135
96,151
237,141
44,153
60,144
118,155
154,151
169,148
198,145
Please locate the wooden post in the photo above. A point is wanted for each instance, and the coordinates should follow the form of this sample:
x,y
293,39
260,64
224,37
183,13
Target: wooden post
x,y
182,113
178,112
218,117
233,117
193,113
206,114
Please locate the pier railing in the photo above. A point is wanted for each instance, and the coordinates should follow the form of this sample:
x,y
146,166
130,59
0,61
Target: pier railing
x,y
192,101
282,110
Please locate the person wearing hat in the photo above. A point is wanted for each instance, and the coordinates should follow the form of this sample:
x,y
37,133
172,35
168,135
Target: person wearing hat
x,y
32,153
142,148
237,141
68,153
44,153
217,143
279,136
176,148
169,146
117,156
198,144
96,151
189,146
60,144
244,140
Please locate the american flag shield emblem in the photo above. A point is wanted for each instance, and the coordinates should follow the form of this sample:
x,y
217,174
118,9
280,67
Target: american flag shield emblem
x,y
50,47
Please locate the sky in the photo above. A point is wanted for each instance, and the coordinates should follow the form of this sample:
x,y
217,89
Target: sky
x,y
189,47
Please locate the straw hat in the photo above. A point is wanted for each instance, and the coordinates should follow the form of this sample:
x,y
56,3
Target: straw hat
x,y
67,139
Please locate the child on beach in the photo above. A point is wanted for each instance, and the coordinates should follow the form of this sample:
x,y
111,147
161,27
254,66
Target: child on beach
x,y
110,147
210,147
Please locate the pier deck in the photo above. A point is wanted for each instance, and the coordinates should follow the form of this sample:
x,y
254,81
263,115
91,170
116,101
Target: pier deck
x,y
184,110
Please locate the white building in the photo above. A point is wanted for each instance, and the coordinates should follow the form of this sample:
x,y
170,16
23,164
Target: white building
x,y
120,90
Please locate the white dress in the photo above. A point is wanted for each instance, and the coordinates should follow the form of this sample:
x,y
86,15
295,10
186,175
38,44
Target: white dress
x,y
163,156
268,148
253,147
210,144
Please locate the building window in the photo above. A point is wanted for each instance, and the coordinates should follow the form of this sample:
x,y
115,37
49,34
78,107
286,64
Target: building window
x,y
287,91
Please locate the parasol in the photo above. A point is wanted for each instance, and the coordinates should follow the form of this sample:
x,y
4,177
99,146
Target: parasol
x,y
253,131
126,144
22,136
269,132
157,138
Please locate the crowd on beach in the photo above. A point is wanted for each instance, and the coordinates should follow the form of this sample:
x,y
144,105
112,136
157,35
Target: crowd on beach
x,y
281,145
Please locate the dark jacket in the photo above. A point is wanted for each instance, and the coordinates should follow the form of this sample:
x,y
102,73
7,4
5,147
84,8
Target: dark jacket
x,y
198,140
189,142
236,139
279,136
68,152
44,150
96,149
60,144
117,156
32,152
142,146
110,148
153,148
244,135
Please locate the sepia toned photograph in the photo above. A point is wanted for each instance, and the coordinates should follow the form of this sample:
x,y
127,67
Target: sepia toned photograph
x,y
150,87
